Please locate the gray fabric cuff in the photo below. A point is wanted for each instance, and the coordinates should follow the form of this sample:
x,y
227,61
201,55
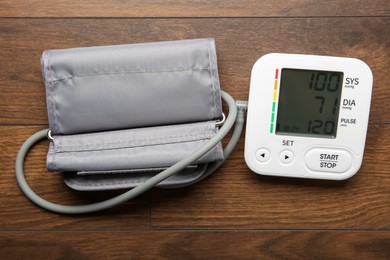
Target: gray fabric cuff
x,y
128,86
128,179
119,114
151,147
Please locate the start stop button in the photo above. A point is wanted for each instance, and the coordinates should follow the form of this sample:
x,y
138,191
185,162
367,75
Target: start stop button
x,y
328,160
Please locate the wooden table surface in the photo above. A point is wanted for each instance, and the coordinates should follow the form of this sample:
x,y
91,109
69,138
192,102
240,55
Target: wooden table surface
x,y
233,213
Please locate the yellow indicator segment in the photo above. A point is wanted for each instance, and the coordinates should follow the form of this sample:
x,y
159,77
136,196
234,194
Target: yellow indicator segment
x,y
275,95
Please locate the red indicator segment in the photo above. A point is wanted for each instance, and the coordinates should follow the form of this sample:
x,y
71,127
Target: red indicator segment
x,y
277,74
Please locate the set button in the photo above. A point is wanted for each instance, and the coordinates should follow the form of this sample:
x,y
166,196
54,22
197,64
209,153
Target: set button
x,y
286,157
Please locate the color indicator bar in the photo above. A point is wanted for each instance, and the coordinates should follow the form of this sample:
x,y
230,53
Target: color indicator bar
x,y
275,97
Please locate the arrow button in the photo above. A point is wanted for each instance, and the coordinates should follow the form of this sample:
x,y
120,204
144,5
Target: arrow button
x,y
286,157
262,155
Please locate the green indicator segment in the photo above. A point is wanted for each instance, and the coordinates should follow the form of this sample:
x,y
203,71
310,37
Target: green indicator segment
x,y
273,106
271,130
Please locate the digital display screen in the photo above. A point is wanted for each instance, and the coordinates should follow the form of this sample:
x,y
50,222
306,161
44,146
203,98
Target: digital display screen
x,y
309,102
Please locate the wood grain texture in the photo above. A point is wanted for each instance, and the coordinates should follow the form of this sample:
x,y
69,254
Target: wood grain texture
x,y
197,245
234,213
23,40
197,8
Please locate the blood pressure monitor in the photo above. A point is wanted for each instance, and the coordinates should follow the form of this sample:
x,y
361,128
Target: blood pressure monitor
x,y
307,116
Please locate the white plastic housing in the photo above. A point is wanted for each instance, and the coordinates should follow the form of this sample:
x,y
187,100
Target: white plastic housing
x,y
301,156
